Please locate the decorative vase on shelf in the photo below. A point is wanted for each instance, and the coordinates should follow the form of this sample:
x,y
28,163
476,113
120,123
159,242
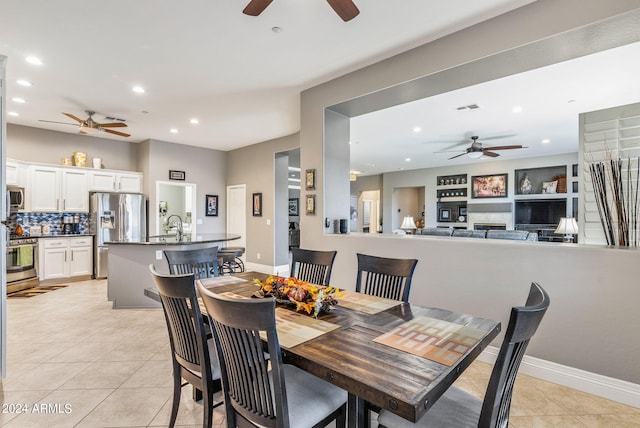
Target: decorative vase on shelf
x,y
525,185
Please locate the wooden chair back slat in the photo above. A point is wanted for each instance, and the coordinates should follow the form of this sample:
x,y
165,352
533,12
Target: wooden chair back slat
x,y
385,277
312,266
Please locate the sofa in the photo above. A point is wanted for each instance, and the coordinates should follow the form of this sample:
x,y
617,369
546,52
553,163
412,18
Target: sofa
x,y
515,235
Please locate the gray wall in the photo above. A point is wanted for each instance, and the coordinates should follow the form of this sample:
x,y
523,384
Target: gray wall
x,y
40,145
205,167
594,295
254,166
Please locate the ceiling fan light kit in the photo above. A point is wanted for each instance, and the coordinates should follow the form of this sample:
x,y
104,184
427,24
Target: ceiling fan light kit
x,y
90,126
346,9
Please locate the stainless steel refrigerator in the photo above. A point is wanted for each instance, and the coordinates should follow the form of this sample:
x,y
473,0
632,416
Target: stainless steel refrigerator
x,y
115,217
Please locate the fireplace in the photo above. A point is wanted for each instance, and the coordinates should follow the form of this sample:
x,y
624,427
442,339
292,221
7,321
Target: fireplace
x,y
489,226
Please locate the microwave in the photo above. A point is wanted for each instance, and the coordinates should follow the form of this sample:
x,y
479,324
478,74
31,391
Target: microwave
x,y
15,198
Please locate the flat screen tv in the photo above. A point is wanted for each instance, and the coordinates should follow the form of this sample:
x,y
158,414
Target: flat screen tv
x,y
541,211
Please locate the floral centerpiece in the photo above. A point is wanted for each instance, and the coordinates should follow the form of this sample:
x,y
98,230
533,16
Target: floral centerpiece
x,y
310,298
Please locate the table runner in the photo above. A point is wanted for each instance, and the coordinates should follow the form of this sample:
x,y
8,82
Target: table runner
x,y
440,341
293,328
366,303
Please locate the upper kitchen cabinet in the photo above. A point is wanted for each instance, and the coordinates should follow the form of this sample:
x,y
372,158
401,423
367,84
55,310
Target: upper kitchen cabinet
x,y
16,173
58,189
112,181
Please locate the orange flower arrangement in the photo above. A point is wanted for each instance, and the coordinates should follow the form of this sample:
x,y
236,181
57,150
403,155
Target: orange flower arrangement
x,y
310,298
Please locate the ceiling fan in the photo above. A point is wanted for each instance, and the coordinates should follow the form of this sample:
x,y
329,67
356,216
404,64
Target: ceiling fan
x,y
346,9
475,150
88,125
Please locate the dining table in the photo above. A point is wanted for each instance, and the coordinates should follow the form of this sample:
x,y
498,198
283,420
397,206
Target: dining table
x,y
386,354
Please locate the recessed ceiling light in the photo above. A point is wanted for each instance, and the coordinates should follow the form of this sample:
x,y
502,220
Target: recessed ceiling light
x,y
173,130
417,129
33,60
571,101
18,100
138,89
407,159
23,82
194,121
13,113
517,109
276,29
546,141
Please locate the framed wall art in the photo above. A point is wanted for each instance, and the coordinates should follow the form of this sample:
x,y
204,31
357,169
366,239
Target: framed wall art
x,y
176,175
444,214
257,204
311,204
211,204
293,206
489,186
310,179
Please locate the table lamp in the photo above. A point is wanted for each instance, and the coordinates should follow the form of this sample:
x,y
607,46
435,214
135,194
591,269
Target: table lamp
x,y
568,227
408,223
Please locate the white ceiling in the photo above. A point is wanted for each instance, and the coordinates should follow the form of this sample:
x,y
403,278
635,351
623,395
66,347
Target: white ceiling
x,y
203,59
551,99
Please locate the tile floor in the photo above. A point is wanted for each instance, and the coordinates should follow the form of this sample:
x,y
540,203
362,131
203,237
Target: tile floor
x,y
75,362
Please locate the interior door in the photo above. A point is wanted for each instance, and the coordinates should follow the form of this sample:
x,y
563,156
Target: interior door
x,y
237,215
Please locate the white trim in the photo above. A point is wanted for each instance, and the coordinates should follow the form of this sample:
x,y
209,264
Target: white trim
x,y
592,383
282,270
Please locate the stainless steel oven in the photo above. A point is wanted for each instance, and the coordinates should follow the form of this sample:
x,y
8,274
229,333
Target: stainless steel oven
x,y
22,264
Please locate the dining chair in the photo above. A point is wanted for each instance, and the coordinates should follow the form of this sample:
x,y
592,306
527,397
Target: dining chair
x,y
190,350
258,392
203,262
457,408
385,277
311,265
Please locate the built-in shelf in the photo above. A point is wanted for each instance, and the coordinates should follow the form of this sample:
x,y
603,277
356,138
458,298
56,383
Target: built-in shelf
x,y
459,192
450,180
539,181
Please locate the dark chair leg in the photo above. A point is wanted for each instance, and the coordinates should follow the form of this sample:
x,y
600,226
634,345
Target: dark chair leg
x,y
197,394
177,390
341,421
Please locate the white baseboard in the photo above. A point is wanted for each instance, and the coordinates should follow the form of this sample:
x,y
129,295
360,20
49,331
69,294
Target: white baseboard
x,y
606,387
282,270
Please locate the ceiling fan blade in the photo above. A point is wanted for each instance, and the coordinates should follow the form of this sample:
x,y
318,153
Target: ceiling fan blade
x,y
497,137
256,7
121,134
490,154
61,123
457,156
112,125
69,115
346,9
505,147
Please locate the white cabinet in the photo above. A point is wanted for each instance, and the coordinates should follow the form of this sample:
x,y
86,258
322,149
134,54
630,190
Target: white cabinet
x,y
44,188
112,181
58,189
66,257
16,173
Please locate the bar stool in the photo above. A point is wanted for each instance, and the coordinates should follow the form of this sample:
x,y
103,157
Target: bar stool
x,y
229,260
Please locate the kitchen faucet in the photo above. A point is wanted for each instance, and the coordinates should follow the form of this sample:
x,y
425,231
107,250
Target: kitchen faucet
x,y
178,225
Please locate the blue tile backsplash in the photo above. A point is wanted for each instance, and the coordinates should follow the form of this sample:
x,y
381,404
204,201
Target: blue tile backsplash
x,y
54,220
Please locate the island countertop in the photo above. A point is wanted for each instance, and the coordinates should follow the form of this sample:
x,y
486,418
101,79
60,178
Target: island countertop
x,y
171,239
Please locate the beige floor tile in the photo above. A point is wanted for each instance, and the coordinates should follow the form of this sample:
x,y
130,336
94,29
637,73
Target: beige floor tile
x,y
607,421
152,374
14,403
46,376
61,409
545,422
103,374
127,408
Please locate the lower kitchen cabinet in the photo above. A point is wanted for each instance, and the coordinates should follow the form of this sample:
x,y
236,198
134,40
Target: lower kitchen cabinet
x,y
63,258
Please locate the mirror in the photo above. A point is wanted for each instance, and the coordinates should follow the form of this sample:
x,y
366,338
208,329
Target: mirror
x,y
175,199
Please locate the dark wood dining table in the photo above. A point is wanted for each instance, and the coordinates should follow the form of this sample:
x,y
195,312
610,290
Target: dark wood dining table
x,y
389,378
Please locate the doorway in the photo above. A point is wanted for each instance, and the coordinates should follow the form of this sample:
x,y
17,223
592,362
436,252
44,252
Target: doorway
x,y
175,199
237,215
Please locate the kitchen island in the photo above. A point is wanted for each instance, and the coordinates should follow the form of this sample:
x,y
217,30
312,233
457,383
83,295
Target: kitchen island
x,y
129,265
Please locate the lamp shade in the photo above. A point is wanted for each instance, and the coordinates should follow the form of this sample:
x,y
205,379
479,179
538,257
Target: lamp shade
x,y
408,223
567,226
